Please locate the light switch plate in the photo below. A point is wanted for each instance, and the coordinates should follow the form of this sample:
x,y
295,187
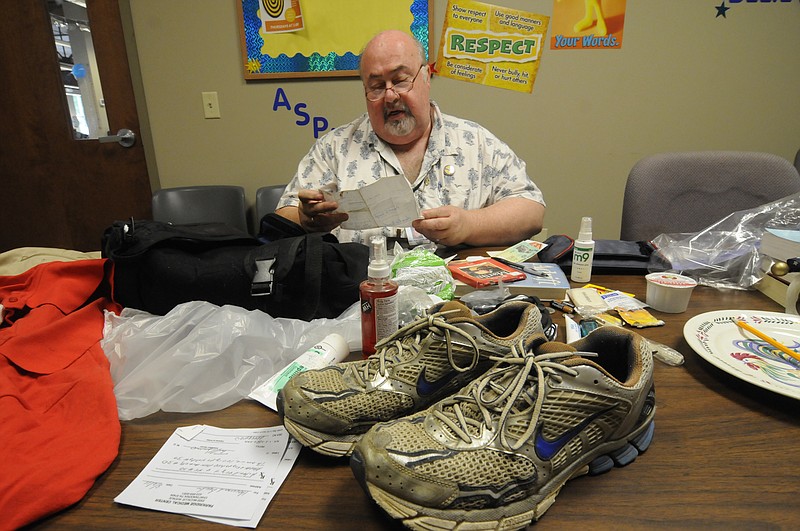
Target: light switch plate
x,y
211,105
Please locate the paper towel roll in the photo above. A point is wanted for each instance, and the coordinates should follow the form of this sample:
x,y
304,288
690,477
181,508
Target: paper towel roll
x,y
793,297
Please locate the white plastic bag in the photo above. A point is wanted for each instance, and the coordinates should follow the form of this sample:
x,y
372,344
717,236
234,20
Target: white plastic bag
x,y
203,357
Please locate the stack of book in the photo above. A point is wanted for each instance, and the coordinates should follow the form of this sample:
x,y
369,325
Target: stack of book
x,y
780,245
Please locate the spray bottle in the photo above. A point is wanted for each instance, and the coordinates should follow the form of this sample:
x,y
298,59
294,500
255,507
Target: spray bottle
x,y
583,253
379,317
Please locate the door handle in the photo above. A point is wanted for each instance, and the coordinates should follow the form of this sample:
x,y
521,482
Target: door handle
x,y
125,138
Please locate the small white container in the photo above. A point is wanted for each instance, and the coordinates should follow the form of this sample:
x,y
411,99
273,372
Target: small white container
x,y
669,292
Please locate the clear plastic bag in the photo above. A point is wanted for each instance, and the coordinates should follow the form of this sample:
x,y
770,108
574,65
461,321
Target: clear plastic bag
x,y
203,357
726,254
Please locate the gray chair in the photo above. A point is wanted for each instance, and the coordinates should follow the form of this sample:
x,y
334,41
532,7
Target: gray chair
x,y
201,204
689,191
267,198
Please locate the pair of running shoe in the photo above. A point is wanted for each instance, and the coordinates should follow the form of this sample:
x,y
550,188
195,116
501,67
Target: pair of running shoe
x,y
478,421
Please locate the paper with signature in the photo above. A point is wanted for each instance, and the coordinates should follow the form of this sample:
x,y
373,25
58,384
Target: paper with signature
x,y
388,202
228,475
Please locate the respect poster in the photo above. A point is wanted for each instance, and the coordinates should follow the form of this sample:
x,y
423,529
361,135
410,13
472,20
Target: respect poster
x,y
491,45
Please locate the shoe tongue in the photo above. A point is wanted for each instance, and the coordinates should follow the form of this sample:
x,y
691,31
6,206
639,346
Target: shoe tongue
x,y
554,346
459,310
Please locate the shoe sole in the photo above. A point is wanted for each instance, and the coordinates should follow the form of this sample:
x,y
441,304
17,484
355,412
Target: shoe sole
x,y
326,444
511,517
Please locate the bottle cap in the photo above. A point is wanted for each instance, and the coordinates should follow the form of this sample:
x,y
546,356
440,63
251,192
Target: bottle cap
x,y
379,266
586,229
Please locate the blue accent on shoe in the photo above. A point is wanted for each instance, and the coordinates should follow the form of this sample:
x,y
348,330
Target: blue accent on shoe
x,y
600,465
545,449
625,455
643,440
426,388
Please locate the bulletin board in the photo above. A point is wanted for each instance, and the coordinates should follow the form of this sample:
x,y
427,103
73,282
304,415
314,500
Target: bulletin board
x,y
330,43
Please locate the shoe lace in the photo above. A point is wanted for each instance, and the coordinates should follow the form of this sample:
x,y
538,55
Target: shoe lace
x,y
406,342
507,389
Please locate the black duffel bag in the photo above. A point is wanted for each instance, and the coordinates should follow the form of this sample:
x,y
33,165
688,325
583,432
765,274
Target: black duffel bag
x,y
158,266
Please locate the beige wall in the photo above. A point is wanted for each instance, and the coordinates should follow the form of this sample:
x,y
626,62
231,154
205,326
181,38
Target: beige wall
x,y
683,80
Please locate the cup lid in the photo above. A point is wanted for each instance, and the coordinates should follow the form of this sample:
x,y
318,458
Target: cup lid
x,y
671,280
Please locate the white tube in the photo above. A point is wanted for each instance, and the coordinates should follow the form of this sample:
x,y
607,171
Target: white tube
x,y
330,350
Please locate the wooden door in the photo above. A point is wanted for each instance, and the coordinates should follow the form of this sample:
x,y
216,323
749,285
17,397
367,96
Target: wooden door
x,y
58,191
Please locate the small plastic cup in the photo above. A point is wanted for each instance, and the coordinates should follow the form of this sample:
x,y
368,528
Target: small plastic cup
x,y
669,292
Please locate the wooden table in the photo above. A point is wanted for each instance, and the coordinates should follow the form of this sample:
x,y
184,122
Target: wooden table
x,y
725,455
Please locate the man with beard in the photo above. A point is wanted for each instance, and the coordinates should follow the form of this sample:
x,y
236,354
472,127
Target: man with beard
x,y
471,187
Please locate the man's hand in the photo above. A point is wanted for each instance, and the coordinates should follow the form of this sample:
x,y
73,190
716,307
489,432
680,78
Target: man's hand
x,y
316,214
447,225
504,223
313,213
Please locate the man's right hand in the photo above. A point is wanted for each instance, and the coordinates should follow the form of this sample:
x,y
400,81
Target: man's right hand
x,y
316,214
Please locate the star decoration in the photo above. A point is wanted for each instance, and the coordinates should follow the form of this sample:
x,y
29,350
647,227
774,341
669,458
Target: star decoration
x,y
721,9
253,66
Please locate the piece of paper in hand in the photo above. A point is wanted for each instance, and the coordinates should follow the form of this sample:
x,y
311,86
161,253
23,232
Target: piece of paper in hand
x,y
388,202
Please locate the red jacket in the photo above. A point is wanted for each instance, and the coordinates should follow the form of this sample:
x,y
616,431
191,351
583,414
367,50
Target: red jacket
x,y
59,428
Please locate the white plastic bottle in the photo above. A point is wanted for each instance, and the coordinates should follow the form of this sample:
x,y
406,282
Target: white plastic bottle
x,y
332,349
583,253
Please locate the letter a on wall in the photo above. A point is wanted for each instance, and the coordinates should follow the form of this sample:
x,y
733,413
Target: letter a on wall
x,y
491,45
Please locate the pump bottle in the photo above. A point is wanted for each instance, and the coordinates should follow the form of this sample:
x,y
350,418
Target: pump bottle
x,y
583,253
379,317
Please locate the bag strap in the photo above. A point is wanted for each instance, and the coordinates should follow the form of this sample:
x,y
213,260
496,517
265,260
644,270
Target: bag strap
x,y
272,263
313,274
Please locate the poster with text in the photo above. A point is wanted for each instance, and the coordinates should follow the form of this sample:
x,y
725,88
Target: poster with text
x,y
491,45
587,24
280,16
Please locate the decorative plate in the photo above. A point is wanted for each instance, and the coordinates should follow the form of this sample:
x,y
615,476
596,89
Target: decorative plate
x,y
717,339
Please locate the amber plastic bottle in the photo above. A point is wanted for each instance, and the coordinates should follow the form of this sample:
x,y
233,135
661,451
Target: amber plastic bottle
x,y
378,298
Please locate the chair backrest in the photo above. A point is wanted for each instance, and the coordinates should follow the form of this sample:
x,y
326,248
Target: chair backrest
x,y
797,161
267,198
201,204
689,191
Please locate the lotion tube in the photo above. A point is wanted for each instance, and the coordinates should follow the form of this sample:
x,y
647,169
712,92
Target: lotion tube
x,y
332,349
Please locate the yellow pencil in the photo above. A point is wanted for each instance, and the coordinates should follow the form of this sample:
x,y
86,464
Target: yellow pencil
x,y
765,337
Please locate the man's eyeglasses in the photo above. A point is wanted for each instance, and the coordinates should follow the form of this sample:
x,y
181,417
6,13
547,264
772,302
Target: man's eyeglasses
x,y
399,87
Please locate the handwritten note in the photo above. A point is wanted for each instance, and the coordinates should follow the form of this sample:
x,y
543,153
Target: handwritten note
x,y
388,202
225,475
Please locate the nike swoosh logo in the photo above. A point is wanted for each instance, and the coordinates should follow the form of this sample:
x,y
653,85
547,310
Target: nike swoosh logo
x,y
546,449
426,388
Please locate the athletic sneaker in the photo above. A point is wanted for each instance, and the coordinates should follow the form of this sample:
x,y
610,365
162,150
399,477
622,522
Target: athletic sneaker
x,y
496,454
329,409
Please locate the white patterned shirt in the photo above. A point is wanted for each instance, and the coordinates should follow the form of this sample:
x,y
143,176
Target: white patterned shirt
x,y
464,165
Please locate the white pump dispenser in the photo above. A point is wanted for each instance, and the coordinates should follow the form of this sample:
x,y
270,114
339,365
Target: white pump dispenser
x,y
583,253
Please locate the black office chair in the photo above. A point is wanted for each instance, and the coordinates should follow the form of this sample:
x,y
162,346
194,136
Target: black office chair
x,y
201,204
797,161
267,198
686,192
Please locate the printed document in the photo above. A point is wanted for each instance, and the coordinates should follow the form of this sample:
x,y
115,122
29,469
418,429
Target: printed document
x,y
388,202
227,476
